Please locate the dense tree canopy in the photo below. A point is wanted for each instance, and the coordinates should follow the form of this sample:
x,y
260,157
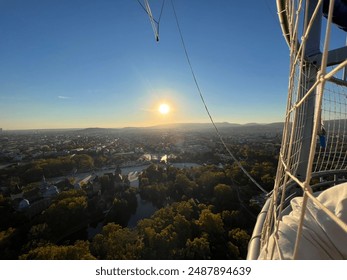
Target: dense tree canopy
x,y
201,215
117,243
67,213
78,251
182,230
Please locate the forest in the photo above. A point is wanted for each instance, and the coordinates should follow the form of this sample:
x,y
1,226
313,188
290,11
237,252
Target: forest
x,y
202,213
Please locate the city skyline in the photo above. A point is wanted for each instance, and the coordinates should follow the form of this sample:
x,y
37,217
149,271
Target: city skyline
x,y
97,64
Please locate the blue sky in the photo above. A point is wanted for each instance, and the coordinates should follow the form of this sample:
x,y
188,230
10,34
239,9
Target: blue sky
x,y
88,63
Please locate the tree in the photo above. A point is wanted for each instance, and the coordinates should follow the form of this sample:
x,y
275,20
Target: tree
x,y
130,196
231,219
188,209
119,212
105,182
210,223
240,238
208,180
38,235
67,213
184,186
166,233
78,251
154,173
236,174
198,249
84,162
7,243
117,243
33,174
226,197
143,181
100,161
155,192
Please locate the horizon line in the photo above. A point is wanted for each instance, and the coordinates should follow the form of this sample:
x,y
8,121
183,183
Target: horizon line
x,y
127,127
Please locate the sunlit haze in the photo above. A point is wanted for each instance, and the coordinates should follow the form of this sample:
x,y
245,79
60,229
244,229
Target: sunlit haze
x,y
164,108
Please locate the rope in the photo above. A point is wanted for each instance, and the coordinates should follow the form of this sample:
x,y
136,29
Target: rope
x,y
143,7
161,12
151,19
154,23
205,105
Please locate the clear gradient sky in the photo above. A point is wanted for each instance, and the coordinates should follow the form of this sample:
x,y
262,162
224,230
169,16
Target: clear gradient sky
x,y
95,63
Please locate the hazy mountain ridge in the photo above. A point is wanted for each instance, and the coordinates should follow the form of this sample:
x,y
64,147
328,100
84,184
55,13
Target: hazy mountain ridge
x,y
222,126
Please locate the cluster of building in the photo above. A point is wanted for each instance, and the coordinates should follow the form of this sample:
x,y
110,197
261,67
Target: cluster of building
x,y
36,200
32,202
17,147
122,148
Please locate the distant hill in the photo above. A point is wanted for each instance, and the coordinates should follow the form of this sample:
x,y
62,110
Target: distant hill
x,y
249,128
193,126
93,130
223,127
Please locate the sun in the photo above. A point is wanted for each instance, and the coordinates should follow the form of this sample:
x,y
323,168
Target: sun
x,y
164,109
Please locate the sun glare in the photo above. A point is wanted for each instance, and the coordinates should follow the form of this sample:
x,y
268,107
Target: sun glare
x,y
164,109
